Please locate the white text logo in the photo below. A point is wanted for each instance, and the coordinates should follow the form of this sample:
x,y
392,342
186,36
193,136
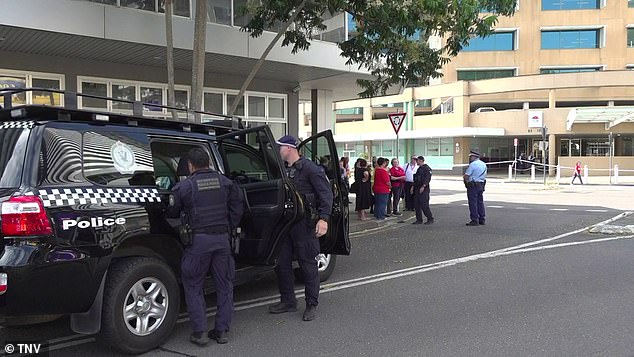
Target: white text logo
x,y
94,222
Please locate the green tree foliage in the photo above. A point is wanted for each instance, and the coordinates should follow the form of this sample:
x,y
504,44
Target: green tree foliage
x,y
391,39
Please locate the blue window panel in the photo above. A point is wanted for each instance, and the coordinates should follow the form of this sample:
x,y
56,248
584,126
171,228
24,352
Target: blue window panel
x,y
570,39
499,41
630,3
568,70
570,4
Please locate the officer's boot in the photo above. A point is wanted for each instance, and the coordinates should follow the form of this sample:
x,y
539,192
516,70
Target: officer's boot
x,y
310,312
282,307
199,338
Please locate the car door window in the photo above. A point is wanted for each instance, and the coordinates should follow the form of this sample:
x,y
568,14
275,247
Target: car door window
x,y
251,160
170,162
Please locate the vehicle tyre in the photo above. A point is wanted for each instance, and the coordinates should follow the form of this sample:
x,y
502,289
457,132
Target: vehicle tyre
x,y
140,305
325,265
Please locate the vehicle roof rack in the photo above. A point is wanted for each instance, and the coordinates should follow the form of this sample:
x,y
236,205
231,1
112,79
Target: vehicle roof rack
x,y
139,114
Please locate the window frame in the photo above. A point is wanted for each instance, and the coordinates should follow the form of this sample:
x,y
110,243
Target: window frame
x,y
600,36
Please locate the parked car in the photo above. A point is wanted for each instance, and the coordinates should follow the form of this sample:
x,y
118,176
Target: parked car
x,y
83,230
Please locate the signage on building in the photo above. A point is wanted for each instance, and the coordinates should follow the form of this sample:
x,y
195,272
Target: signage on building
x,y
397,119
535,119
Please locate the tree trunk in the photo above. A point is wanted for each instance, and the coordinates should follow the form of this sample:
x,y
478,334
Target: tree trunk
x,y
169,37
198,58
260,62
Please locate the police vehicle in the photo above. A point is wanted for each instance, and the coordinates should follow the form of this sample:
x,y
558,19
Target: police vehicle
x,y
82,197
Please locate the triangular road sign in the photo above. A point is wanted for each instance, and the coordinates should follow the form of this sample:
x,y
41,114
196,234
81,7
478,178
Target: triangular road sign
x,y
397,120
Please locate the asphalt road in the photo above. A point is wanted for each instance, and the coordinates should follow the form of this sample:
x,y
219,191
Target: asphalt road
x,y
532,282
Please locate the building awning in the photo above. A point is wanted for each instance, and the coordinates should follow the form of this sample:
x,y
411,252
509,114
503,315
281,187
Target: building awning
x,y
421,134
610,116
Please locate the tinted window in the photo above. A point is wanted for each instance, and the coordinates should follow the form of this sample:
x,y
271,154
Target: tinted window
x,y
569,4
170,162
485,74
13,142
568,70
117,159
570,39
253,160
60,157
499,41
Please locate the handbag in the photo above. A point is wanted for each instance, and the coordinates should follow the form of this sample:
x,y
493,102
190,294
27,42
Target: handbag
x,y
354,187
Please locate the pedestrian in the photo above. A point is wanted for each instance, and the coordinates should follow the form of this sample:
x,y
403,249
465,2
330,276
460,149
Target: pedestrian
x,y
421,192
410,170
381,188
212,206
397,177
475,180
577,173
345,171
302,241
363,189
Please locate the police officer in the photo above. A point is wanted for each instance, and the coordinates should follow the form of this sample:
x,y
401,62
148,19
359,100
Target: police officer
x,y
303,238
420,190
475,180
213,205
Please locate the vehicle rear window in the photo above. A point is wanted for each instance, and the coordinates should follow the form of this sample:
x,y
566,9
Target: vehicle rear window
x,y
13,143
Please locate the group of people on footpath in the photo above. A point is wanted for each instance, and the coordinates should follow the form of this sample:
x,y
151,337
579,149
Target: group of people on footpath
x,y
412,183
214,206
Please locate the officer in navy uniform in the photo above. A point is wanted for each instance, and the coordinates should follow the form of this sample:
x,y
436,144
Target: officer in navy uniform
x,y
214,205
421,191
475,180
303,238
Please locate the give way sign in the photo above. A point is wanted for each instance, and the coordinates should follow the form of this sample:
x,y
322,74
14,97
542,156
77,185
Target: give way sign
x,y
397,120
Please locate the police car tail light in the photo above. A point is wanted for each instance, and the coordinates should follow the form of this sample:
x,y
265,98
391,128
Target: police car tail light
x,y
25,216
3,283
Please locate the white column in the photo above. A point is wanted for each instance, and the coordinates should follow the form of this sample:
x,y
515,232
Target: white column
x,y
532,173
558,173
510,172
616,173
585,173
322,113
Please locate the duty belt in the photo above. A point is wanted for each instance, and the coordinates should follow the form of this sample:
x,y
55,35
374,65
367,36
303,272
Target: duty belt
x,y
217,229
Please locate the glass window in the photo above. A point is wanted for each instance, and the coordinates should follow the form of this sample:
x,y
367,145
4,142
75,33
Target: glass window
x,y
46,98
100,89
166,159
13,142
123,91
107,2
276,108
474,75
433,147
570,39
181,7
14,82
630,37
568,70
446,146
564,148
352,26
239,109
153,96
117,159
219,11
149,5
569,4
240,17
213,103
498,41
61,157
257,106
181,98
595,147
630,3
575,147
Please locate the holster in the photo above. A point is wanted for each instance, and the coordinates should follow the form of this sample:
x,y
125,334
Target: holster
x,y
185,232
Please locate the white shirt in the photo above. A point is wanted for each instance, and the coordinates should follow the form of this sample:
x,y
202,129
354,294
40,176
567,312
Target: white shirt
x,y
410,170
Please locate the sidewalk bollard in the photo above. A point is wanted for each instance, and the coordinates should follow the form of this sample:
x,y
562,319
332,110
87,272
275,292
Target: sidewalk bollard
x,y
616,173
585,173
558,174
532,173
510,172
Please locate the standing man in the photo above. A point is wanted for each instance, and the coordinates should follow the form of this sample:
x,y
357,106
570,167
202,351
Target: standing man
x,y
213,205
303,238
420,190
475,180
410,170
397,176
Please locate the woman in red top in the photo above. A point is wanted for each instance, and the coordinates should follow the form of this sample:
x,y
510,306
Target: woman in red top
x,y
577,173
397,176
381,188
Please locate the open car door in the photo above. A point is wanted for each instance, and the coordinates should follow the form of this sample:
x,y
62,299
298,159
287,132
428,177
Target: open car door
x,y
251,158
321,150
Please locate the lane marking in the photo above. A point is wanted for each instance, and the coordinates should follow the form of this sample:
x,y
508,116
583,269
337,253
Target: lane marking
x,y
346,284
597,210
522,208
559,209
495,206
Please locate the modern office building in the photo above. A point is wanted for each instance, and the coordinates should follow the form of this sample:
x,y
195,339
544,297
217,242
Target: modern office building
x,y
117,48
565,65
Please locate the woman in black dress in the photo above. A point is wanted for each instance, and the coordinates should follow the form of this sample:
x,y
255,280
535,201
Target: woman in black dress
x,y
363,189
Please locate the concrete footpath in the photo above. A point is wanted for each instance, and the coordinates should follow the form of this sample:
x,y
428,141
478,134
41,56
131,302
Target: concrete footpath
x,y
450,189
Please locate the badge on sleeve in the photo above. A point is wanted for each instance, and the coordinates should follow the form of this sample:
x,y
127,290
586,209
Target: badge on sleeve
x,y
171,201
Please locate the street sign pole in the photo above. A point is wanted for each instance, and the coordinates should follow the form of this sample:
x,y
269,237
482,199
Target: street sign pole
x,y
397,119
515,157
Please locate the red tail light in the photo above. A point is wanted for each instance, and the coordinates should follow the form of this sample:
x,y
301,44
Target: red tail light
x,y
3,283
25,216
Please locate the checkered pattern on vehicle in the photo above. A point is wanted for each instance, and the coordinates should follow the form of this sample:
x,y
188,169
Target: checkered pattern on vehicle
x,y
17,124
71,196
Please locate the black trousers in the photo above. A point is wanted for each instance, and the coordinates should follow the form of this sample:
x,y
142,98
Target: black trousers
x,y
421,204
409,197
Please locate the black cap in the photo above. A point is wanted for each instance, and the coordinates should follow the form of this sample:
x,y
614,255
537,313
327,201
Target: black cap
x,y
473,153
421,158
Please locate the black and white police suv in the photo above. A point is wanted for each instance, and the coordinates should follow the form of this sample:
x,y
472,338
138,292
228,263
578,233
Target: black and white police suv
x,y
82,197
